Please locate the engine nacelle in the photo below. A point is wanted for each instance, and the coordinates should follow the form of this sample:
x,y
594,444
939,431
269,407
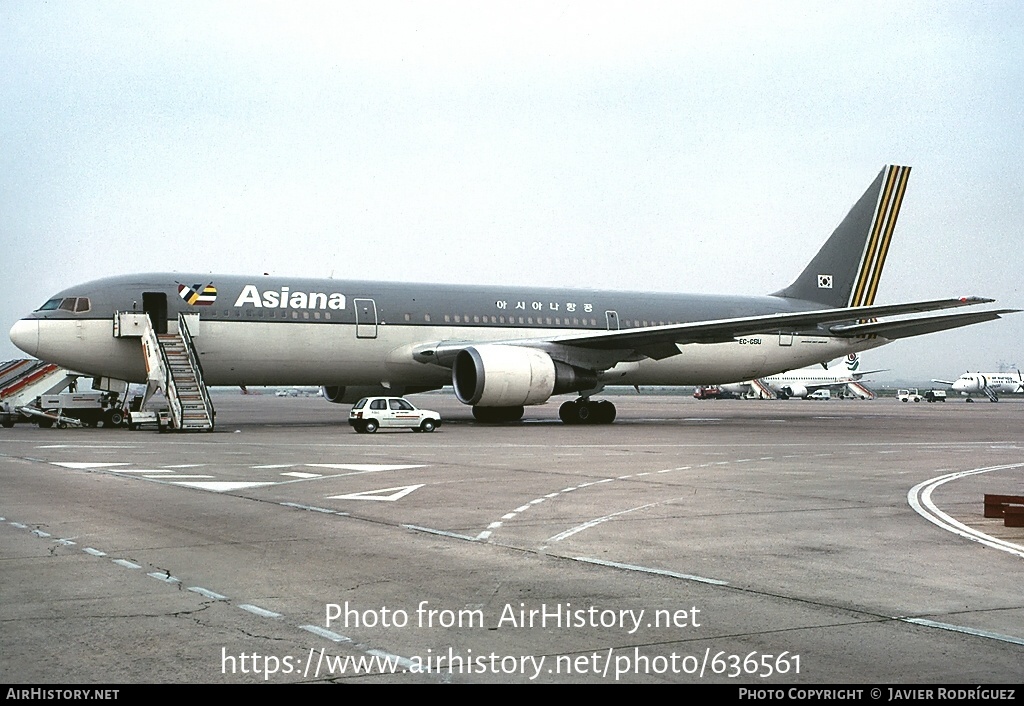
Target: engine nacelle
x,y
511,376
795,391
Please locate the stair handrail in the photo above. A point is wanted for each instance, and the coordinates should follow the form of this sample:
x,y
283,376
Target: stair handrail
x,y
193,357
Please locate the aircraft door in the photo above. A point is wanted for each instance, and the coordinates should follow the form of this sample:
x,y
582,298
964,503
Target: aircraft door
x,y
612,318
785,339
155,304
366,318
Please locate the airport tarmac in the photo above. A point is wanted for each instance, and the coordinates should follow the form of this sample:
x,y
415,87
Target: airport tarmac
x,y
745,542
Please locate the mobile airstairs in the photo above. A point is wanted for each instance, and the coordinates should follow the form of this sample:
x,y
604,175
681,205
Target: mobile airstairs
x,y
23,383
173,368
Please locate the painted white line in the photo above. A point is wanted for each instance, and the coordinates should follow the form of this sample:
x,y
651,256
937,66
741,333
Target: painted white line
x,y
40,533
256,610
277,465
593,523
19,525
919,498
85,466
220,486
65,542
179,476
403,662
443,533
647,570
300,474
207,593
94,552
363,467
126,564
83,446
967,631
165,577
386,494
141,470
324,632
314,508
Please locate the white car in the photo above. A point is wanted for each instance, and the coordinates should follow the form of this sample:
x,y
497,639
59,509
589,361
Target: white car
x,y
372,413
910,395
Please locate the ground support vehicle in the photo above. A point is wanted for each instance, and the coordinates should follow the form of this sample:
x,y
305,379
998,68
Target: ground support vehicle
x,y
372,413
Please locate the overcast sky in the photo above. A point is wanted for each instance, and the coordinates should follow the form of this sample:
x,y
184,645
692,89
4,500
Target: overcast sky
x,y
678,147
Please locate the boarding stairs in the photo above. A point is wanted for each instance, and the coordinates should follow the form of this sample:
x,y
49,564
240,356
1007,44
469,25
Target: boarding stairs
x,y
858,390
173,368
760,390
22,382
990,393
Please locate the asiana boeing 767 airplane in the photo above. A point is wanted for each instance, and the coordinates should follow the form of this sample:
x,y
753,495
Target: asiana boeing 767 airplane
x,y
500,347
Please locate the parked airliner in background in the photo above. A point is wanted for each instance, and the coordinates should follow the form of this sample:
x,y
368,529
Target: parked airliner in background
x,y
989,384
501,347
805,381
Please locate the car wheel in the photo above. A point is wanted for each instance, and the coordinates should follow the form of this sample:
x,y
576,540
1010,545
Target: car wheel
x,y
427,425
370,426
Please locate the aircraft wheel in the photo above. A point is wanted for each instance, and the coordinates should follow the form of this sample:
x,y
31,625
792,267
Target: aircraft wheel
x,y
427,425
606,412
567,412
370,426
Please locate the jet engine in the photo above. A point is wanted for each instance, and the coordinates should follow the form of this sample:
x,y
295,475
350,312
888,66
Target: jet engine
x,y
509,376
794,391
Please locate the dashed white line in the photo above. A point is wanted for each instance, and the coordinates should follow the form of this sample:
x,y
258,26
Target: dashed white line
x,y
256,610
324,632
207,593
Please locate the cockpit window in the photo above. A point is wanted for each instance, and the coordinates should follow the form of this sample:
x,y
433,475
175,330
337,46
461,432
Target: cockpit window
x,y
73,304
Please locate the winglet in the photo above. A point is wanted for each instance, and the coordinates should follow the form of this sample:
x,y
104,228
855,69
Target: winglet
x,y
847,269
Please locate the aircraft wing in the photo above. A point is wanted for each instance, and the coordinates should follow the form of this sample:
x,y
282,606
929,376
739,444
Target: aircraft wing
x,y
906,328
660,342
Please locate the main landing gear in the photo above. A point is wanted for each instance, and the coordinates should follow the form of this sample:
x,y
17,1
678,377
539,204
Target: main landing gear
x,y
586,411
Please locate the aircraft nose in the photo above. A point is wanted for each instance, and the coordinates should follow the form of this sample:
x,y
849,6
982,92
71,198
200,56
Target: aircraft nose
x,y
25,335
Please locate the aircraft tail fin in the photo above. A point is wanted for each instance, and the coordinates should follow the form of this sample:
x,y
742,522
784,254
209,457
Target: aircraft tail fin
x,y
846,270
